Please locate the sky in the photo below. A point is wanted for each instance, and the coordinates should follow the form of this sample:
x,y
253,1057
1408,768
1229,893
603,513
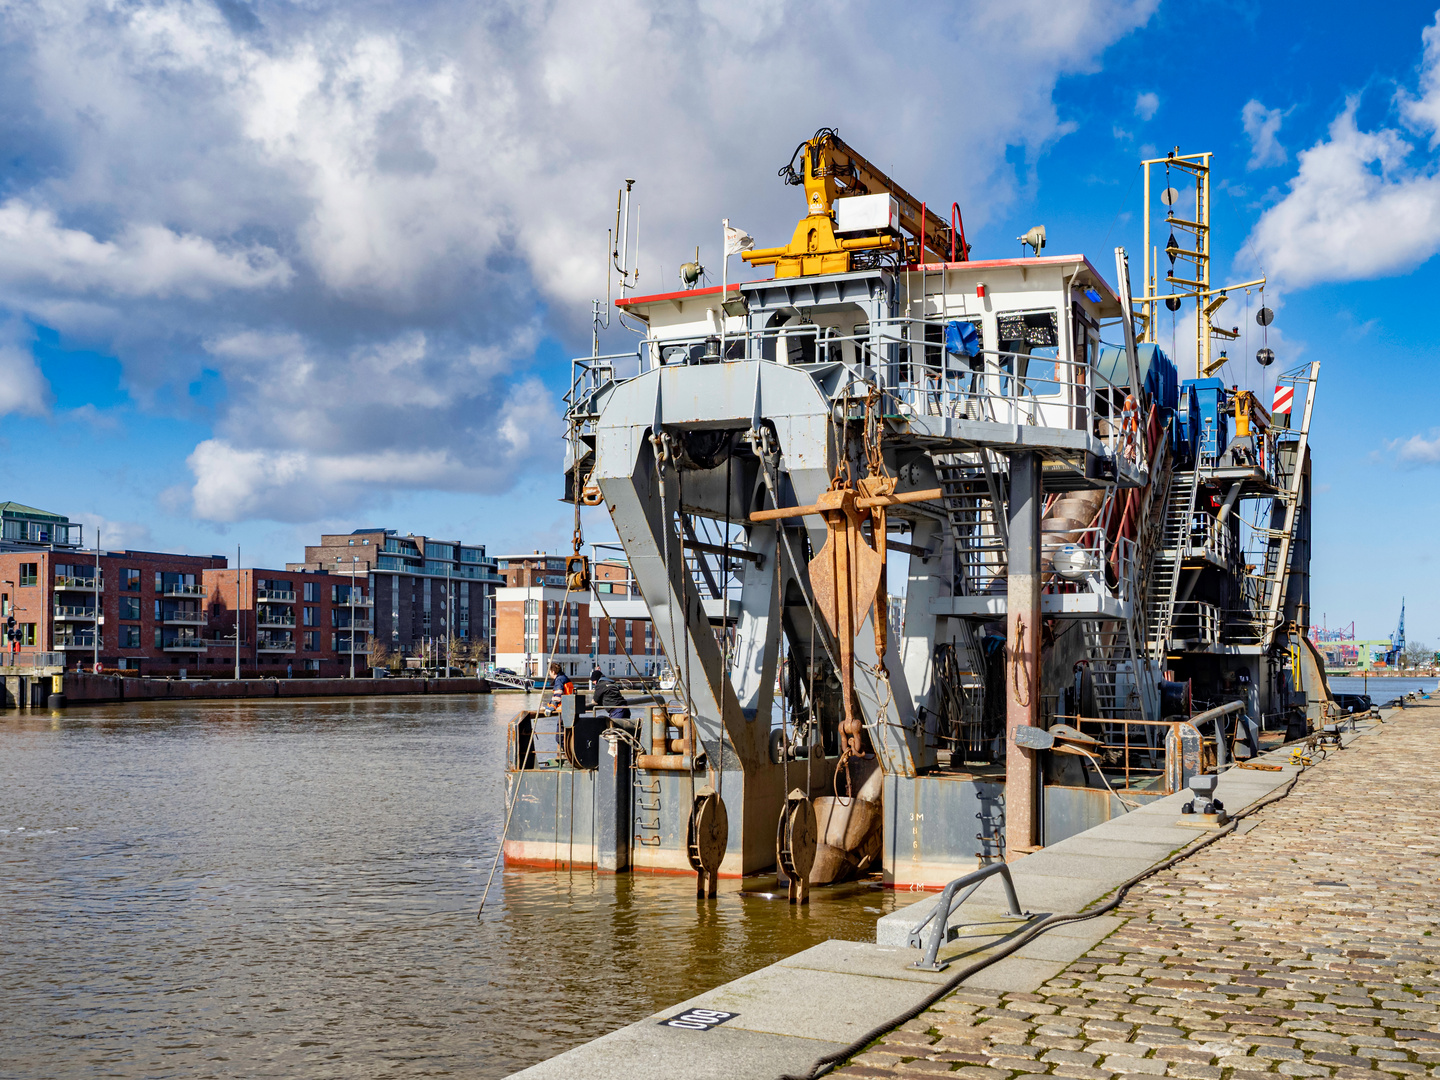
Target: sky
x,y
272,269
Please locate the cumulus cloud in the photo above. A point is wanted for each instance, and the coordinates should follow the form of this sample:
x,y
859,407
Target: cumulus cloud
x,y
1146,104
1423,112
23,387
115,535
145,260
1417,450
1360,206
365,218
322,474
1262,125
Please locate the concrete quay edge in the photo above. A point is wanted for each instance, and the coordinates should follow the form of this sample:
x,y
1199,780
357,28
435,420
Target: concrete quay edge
x,y
812,1003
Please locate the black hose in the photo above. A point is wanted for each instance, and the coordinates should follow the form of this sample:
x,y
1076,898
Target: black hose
x,y
829,1061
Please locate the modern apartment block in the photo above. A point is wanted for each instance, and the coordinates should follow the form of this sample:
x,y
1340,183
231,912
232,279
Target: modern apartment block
x,y
146,605
26,525
537,621
291,621
426,591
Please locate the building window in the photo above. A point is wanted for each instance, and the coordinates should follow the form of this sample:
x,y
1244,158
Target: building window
x,y
130,608
130,581
310,616
29,574
159,637
312,641
312,593
130,637
26,632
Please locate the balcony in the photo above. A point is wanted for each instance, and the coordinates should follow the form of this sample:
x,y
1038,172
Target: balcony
x,y
277,596
79,584
359,601
271,619
77,641
184,618
358,625
184,590
68,612
185,643
267,644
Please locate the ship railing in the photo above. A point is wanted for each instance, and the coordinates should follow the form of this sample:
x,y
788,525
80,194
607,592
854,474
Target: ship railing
x,y
1133,755
1107,557
921,377
1197,622
1209,534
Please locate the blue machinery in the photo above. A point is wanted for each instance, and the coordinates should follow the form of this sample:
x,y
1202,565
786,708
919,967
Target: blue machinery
x,y
1083,542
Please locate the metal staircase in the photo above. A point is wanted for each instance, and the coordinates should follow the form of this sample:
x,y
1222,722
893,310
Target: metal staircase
x,y
1168,559
975,506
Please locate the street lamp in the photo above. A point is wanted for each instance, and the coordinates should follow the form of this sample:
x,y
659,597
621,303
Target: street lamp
x,y
350,598
99,605
5,616
354,569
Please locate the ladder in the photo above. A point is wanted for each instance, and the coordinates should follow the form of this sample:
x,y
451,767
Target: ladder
x,y
1168,559
1277,552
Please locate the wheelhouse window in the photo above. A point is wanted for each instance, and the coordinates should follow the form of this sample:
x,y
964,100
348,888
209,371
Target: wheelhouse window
x,y
1029,342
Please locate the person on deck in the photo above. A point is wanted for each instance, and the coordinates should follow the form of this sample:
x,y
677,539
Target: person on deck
x,y
560,685
607,695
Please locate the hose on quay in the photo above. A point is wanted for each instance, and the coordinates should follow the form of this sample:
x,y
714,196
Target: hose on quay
x,y
829,1061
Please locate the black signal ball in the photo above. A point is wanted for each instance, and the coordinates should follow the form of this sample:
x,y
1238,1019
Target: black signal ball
x,y
1173,303
1265,357
1265,316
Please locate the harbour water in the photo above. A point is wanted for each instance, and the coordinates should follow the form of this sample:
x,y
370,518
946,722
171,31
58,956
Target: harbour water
x,y
1382,689
256,888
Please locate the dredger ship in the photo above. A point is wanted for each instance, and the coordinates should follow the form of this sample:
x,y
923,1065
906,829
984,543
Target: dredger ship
x,y
948,561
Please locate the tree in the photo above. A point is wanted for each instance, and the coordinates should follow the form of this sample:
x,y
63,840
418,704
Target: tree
x,y
1418,654
379,654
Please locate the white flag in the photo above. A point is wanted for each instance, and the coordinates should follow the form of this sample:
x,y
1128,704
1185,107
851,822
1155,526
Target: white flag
x,y
736,240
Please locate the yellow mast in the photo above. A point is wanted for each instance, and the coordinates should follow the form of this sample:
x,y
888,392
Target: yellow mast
x,y
1197,286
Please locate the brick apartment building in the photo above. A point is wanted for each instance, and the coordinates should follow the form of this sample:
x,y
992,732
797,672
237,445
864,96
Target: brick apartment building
x,y
146,605
302,622
536,621
425,590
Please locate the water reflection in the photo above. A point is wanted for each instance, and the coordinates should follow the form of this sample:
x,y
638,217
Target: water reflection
x,y
248,888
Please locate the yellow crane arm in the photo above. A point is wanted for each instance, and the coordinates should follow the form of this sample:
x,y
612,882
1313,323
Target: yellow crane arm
x,y
830,169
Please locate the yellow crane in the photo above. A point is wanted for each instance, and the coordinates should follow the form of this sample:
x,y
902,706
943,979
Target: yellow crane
x,y
830,170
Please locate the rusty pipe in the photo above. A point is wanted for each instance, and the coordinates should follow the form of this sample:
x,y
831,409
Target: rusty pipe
x,y
868,503
665,762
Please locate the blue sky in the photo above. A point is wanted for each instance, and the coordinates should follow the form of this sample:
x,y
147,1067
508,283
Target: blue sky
x,y
270,269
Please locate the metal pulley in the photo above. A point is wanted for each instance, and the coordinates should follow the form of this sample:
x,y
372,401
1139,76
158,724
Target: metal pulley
x,y
795,844
705,838
577,573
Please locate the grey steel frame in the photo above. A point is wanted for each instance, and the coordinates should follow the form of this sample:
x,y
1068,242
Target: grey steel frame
x,y
939,916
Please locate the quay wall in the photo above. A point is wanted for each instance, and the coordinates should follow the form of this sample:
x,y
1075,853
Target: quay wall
x,y
82,688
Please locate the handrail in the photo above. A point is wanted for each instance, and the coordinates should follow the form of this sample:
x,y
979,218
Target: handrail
x,y
947,904
1063,391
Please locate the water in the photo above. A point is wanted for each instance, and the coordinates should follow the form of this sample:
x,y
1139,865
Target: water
x,y
250,889
1381,690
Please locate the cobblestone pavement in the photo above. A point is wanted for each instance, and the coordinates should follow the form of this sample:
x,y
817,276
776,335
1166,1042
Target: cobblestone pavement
x,y
1306,946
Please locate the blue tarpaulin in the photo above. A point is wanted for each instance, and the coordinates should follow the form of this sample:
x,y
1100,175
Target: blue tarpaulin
x,y
962,338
